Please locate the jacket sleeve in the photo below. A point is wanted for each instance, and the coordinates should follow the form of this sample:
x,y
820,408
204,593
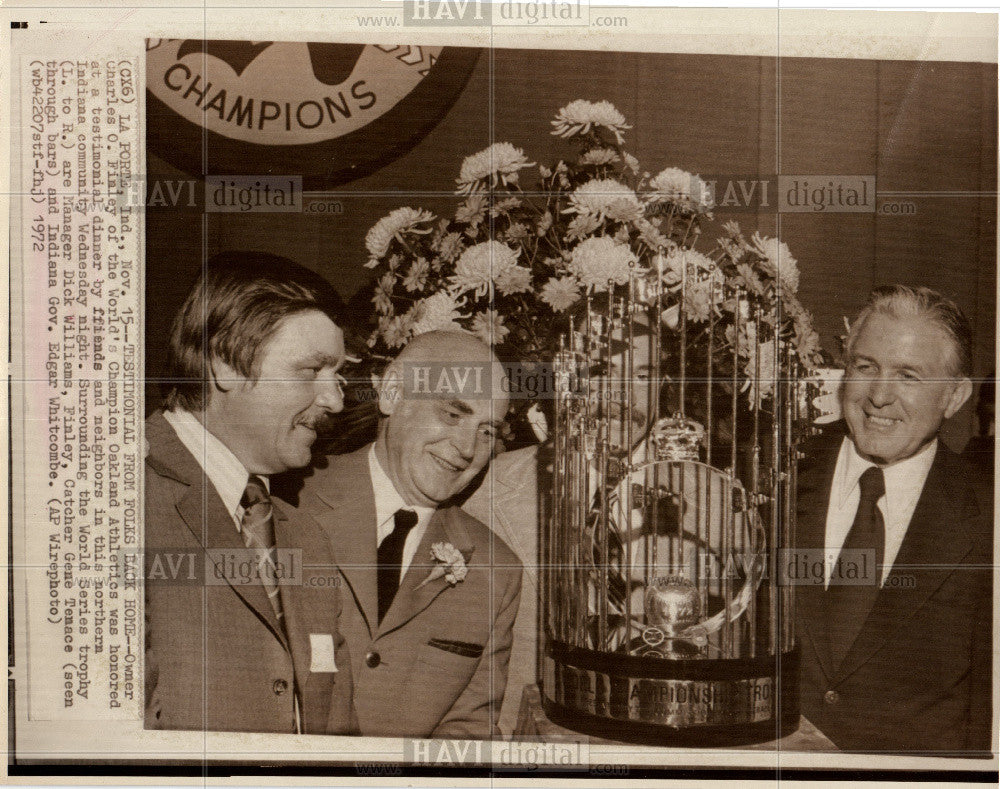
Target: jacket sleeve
x,y
980,716
475,712
343,717
151,676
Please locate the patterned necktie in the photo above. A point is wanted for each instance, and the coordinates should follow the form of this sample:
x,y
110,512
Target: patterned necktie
x,y
850,603
390,559
257,528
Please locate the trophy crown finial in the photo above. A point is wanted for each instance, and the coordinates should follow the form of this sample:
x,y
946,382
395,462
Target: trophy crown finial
x,y
677,438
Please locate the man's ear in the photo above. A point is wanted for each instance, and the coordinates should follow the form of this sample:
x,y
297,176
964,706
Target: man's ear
x,y
959,395
224,377
389,389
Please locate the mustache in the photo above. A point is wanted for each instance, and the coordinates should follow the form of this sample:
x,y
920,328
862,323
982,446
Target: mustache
x,y
319,421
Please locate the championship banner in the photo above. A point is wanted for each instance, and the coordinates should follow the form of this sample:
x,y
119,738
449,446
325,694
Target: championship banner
x,y
328,112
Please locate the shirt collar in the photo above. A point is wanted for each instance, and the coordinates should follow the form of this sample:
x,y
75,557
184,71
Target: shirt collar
x,y
387,498
900,478
907,477
227,475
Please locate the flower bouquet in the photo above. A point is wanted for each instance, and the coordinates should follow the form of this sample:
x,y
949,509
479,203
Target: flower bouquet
x,y
515,258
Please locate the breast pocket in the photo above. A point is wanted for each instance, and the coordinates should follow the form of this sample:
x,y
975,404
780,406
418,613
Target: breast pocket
x,y
440,675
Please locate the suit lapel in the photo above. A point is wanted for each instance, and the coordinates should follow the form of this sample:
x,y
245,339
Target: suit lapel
x,y
304,615
351,528
411,600
814,493
927,547
204,513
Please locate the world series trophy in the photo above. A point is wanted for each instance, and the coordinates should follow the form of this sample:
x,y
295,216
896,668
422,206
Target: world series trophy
x,y
675,447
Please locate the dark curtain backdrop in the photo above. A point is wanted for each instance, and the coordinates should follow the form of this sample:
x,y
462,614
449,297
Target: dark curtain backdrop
x,y
928,130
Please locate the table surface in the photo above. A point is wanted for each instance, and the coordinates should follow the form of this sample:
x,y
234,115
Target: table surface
x,y
532,722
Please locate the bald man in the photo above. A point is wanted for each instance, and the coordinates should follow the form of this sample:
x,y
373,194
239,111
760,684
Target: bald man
x,y
431,593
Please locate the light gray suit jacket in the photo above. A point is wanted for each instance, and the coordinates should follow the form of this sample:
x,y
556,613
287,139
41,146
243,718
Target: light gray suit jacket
x,y
436,666
216,658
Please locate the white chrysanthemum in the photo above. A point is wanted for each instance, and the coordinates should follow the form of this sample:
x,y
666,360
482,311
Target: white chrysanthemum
x,y
582,226
605,198
488,326
750,279
759,371
438,312
416,277
450,247
504,207
650,235
516,279
805,338
395,331
732,228
472,211
383,294
679,186
479,265
672,183
778,261
498,163
699,299
560,294
599,156
579,116
596,261
518,231
390,226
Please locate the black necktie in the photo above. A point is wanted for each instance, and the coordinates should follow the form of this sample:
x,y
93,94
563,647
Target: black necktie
x,y
850,601
390,559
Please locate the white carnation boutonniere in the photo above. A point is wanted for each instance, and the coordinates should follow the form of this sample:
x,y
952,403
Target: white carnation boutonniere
x,y
450,564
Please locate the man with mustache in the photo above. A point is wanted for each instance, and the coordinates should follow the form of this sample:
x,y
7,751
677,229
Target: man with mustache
x,y
239,636
430,593
895,628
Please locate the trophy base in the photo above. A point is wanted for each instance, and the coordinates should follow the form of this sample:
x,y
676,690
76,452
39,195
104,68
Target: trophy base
x,y
678,703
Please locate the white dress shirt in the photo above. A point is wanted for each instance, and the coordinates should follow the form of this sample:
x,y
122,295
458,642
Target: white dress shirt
x,y
904,481
387,503
227,475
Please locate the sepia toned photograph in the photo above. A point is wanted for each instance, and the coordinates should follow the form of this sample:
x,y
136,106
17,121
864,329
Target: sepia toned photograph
x,y
494,405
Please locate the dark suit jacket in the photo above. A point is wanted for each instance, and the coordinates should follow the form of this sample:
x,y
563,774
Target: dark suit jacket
x,y
215,657
437,664
917,678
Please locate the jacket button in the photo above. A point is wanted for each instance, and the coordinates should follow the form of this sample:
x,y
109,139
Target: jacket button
x,y
279,687
831,697
372,659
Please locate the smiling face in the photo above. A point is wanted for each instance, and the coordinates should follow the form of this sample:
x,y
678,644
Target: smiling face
x,y
270,423
899,386
437,437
